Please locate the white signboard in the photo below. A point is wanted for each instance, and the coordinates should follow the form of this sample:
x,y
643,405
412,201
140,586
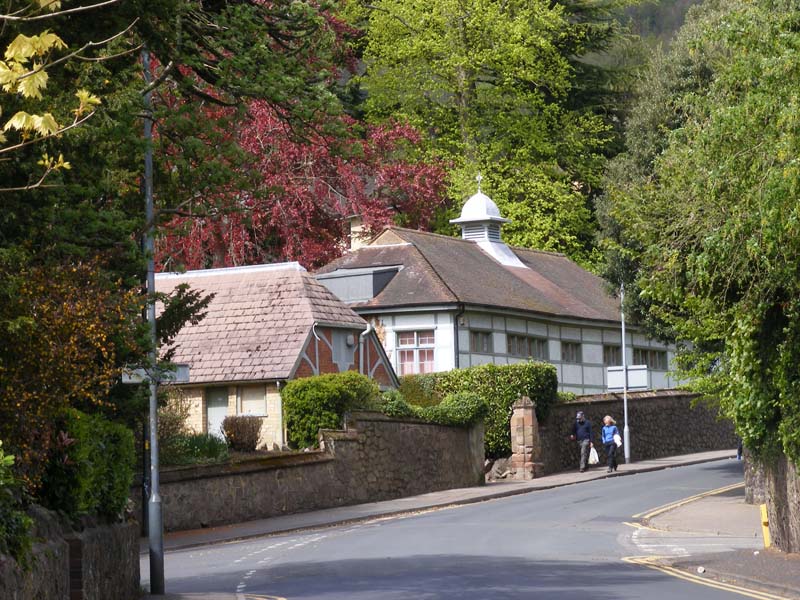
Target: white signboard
x,y
177,374
637,377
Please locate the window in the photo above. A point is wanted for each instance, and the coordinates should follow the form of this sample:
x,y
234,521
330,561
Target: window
x,y
253,400
415,351
480,342
570,352
612,356
654,359
533,347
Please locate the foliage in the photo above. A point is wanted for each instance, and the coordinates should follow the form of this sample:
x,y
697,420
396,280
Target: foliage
x,y
319,402
242,432
193,448
420,390
173,418
393,404
460,409
499,386
15,525
708,222
65,332
564,397
91,468
497,87
306,189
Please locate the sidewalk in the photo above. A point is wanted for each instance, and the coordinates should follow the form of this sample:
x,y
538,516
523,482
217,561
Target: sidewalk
x,y
362,512
726,515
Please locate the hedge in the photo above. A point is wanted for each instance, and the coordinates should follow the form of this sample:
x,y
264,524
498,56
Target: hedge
x,y
15,524
462,409
499,385
91,469
242,432
319,402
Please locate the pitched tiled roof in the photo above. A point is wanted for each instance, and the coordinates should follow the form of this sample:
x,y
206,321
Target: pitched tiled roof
x,y
256,324
438,269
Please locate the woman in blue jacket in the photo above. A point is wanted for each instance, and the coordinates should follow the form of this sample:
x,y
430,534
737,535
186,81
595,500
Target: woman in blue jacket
x,y
607,434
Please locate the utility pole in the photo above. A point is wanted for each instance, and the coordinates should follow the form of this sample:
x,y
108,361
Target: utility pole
x,y
626,436
154,517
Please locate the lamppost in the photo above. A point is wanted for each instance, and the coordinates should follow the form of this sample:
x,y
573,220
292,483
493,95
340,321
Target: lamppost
x,y
625,431
154,517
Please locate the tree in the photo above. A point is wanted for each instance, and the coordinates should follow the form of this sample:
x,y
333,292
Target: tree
x,y
492,84
711,220
297,209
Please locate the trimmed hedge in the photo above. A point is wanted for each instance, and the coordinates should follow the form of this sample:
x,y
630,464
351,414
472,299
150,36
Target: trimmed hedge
x,y
462,409
319,402
91,468
499,385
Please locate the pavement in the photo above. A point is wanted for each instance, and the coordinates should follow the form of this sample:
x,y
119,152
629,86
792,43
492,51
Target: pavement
x,y
723,514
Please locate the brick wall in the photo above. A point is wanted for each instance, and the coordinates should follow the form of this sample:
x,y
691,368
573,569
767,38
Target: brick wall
x,y
661,423
374,458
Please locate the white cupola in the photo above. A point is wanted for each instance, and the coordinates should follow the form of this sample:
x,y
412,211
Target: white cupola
x,y
480,222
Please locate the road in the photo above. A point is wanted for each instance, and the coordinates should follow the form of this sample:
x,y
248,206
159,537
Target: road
x,y
565,543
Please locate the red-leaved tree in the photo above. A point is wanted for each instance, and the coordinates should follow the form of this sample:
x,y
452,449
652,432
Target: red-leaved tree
x,y
305,191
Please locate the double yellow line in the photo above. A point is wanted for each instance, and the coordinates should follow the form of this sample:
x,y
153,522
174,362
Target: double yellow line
x,y
652,562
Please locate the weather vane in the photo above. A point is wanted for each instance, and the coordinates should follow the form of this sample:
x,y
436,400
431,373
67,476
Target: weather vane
x,y
479,178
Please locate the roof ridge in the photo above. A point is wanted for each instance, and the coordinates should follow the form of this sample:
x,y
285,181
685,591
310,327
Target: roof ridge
x,y
457,239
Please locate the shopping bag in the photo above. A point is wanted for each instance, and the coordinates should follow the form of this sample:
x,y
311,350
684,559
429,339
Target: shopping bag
x,y
617,440
593,458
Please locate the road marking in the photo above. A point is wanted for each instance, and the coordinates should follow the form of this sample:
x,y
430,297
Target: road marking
x,y
650,562
665,507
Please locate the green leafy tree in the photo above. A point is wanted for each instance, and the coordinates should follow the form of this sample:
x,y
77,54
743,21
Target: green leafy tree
x,y
710,221
495,86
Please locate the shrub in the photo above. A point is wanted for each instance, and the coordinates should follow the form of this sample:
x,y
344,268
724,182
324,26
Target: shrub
x,y
15,539
173,416
394,405
500,386
242,433
91,468
420,390
319,402
194,448
564,397
461,409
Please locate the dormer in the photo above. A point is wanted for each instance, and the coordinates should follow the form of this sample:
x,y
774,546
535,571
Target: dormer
x,y
480,222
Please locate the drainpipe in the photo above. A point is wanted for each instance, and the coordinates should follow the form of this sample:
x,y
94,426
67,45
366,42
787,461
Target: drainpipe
x,y
280,407
361,338
459,314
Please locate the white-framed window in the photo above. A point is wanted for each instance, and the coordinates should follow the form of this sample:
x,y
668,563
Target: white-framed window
x,y
654,359
612,355
571,352
480,342
415,351
526,346
253,400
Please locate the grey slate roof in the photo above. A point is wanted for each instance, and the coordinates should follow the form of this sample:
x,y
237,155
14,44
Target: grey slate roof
x,y
257,323
438,270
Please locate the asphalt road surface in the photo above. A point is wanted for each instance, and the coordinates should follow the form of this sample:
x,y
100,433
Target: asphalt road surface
x,y
565,543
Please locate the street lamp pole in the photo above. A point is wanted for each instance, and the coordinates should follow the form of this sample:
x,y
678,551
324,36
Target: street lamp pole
x,y
155,521
626,436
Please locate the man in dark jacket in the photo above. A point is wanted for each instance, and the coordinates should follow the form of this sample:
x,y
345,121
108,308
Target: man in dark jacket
x,y
582,433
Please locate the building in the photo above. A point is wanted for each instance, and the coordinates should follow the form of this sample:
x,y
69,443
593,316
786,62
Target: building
x,y
440,303
266,325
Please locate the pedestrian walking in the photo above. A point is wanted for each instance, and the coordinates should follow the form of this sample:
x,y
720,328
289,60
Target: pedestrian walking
x,y
609,436
582,433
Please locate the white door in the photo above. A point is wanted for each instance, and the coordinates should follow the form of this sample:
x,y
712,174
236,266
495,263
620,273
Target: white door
x,y
216,409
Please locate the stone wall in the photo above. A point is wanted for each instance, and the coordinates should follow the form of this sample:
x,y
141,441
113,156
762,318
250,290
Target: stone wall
x,y
96,563
661,423
374,458
776,482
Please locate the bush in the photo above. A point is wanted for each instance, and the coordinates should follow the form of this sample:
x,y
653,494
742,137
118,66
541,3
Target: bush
x,y
15,525
319,402
173,416
394,405
500,386
420,390
242,433
564,397
462,409
91,468
193,448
